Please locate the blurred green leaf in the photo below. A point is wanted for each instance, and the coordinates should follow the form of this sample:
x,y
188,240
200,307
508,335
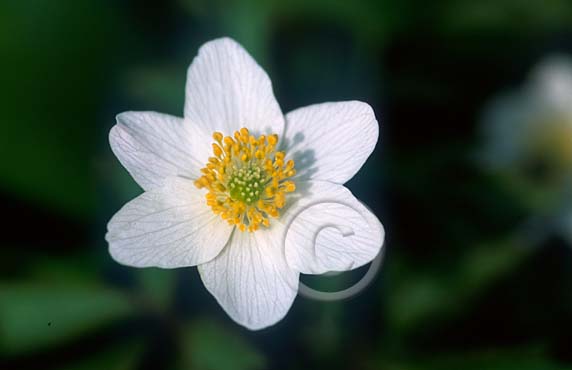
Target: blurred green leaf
x,y
73,270
160,86
251,21
323,336
157,286
490,360
52,87
417,297
536,196
124,357
37,315
505,15
207,345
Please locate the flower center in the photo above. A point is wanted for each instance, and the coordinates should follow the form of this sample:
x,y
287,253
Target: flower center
x,y
551,146
246,179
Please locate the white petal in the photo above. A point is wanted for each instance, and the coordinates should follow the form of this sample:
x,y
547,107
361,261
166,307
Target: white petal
x,y
153,146
551,84
251,280
330,141
167,227
330,230
227,89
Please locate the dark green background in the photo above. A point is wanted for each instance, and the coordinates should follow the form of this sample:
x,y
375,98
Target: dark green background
x,y
463,284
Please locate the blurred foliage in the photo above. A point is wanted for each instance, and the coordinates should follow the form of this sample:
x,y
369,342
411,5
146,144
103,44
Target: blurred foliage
x,y
35,315
370,21
531,17
157,286
124,357
490,360
52,84
473,277
443,290
207,345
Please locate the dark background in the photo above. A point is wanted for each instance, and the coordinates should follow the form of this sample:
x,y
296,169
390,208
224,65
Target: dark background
x,y
466,283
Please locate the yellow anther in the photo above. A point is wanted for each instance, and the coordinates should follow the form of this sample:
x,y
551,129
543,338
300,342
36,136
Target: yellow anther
x,y
289,186
268,165
217,136
279,199
273,139
217,150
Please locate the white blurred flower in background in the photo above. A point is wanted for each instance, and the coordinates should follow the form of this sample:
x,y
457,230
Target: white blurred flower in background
x,y
528,141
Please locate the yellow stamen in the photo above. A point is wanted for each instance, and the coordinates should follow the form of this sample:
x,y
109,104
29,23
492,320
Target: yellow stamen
x,y
246,179
217,136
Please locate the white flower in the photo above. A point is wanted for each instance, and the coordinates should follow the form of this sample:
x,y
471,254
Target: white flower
x,y
224,184
530,130
528,136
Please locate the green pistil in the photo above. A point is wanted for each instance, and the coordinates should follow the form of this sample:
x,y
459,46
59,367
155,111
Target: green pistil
x,y
246,184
